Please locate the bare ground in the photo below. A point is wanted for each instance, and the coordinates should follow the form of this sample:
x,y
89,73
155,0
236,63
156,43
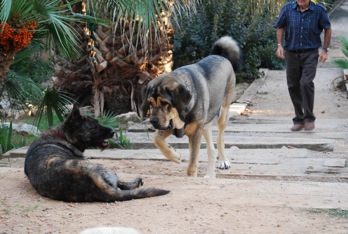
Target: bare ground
x,y
195,205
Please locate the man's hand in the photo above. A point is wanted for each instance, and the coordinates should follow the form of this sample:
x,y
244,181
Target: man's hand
x,y
280,52
323,56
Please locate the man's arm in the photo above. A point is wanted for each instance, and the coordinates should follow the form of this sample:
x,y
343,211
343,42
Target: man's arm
x,y
327,39
280,49
280,33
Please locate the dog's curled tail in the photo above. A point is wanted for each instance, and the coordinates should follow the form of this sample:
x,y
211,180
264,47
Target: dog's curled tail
x,y
227,47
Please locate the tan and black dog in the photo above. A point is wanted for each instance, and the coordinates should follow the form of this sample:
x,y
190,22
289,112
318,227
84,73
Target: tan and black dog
x,y
188,99
56,167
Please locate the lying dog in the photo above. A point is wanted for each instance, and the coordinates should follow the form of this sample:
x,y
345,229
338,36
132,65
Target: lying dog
x,y
187,100
56,168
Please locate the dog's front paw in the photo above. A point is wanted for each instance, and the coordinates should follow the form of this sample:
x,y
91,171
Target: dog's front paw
x,y
177,158
224,165
173,155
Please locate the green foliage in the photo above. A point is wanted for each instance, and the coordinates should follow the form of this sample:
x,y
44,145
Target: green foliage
x,y
55,22
327,3
343,63
22,83
337,213
5,138
124,141
108,119
19,88
43,125
248,22
9,139
52,100
32,63
143,21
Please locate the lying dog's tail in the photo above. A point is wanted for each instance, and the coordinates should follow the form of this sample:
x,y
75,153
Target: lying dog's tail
x,y
227,47
126,195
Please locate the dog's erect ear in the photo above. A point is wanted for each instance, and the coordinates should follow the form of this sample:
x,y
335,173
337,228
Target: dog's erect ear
x,y
75,111
145,106
74,116
181,96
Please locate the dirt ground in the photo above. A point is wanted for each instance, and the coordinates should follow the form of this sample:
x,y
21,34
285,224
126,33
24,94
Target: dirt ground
x,y
194,205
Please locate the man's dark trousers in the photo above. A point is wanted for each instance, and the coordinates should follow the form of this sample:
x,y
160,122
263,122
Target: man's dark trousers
x,y
301,67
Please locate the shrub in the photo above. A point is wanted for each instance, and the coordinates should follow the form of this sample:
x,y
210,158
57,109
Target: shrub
x,y
251,23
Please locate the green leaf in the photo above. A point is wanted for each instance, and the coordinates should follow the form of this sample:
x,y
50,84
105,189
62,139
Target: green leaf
x,y
341,63
52,101
9,138
5,11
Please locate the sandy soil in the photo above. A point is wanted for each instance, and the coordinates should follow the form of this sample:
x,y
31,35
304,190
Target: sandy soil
x,y
195,205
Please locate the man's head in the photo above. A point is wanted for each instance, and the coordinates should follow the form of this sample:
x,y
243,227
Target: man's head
x,y
303,4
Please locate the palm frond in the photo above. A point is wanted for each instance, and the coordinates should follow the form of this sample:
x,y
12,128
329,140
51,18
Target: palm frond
x,y
108,119
20,88
5,11
34,47
142,18
343,41
344,45
55,23
341,63
53,100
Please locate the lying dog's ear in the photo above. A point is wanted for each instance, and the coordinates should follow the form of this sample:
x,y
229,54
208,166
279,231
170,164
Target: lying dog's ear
x,y
74,116
181,97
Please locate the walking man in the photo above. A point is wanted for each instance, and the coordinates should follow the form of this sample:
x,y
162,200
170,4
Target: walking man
x,y
302,22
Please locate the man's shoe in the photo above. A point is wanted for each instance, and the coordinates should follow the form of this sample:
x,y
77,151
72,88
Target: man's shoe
x,y
309,126
297,127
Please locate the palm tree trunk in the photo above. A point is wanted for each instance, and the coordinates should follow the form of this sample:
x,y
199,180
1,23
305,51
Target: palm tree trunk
x,y
6,60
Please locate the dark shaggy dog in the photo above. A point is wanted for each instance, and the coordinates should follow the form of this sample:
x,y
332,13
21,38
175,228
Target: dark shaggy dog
x,y
56,168
187,100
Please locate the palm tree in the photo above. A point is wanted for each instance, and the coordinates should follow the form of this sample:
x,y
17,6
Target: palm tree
x,y
119,59
108,63
24,21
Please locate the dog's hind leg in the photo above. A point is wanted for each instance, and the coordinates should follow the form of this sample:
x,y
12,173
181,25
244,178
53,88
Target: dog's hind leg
x,y
101,188
207,133
164,147
129,185
222,123
112,179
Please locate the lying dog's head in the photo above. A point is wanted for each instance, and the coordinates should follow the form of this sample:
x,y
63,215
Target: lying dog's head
x,y
85,131
166,97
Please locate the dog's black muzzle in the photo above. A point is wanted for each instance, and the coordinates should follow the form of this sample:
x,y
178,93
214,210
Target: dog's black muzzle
x,y
108,132
156,124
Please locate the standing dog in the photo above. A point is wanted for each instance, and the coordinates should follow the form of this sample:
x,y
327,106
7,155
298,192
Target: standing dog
x,y
56,168
187,100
